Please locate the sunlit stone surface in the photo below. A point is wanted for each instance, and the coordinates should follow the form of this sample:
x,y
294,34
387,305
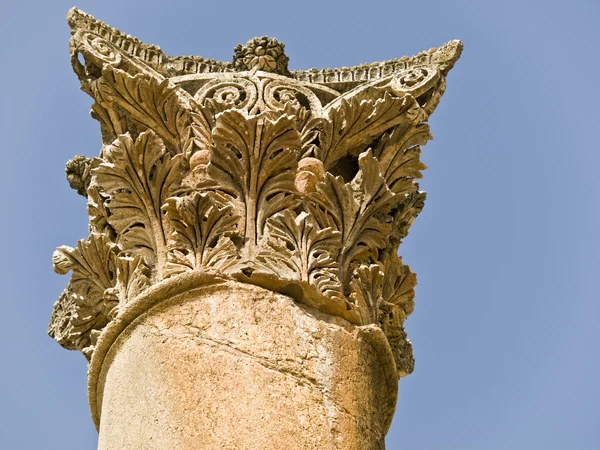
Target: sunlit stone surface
x,y
241,285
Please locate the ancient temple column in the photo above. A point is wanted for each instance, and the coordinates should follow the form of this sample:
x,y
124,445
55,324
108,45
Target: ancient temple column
x,y
240,287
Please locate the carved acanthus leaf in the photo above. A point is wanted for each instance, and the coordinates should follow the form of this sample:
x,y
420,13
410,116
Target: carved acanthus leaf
x,y
86,305
366,288
355,121
360,210
97,210
157,105
137,176
398,153
254,162
133,277
73,320
200,234
401,348
397,303
384,293
398,287
92,263
309,125
111,122
301,250
405,214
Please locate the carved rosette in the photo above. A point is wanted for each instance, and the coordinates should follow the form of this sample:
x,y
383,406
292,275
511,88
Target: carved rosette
x,y
300,187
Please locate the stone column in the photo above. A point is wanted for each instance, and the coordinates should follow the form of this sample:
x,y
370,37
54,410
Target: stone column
x,y
240,287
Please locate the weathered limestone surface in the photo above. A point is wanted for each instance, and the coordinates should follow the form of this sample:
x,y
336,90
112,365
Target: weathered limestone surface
x,y
240,286
210,367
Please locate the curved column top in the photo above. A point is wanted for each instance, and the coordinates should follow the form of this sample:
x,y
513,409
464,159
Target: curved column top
x,y
302,182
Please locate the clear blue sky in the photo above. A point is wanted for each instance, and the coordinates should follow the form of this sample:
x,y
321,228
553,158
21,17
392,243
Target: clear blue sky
x,y
507,251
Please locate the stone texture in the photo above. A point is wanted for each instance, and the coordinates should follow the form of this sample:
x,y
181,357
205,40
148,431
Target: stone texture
x,y
292,191
211,366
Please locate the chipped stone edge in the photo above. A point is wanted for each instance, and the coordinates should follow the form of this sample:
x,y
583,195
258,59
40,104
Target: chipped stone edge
x,y
186,284
444,57
166,290
376,337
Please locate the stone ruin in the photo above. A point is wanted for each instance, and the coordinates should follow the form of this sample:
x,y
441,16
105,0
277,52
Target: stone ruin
x,y
241,285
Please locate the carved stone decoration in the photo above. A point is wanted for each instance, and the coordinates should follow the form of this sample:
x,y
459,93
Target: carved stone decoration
x,y
299,182
261,54
304,180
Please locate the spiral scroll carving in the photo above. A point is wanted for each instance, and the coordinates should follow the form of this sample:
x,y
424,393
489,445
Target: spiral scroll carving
x,y
236,93
102,49
415,81
278,93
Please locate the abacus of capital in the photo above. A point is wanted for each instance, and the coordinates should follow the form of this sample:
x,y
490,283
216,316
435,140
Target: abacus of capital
x,y
240,287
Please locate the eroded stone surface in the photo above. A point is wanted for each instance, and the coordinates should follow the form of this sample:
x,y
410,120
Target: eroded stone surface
x,y
209,368
298,182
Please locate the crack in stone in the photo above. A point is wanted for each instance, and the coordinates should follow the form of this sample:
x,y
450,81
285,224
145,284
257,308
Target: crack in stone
x,y
300,377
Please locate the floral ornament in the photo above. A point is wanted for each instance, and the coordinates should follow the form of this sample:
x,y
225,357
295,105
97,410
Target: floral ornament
x,y
303,183
78,174
74,321
261,53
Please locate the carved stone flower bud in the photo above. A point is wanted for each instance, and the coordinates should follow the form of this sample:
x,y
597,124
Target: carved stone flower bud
x,y
63,326
78,174
310,172
200,158
197,174
262,53
61,263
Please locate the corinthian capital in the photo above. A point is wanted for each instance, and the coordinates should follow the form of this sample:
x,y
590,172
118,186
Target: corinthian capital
x,y
301,182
